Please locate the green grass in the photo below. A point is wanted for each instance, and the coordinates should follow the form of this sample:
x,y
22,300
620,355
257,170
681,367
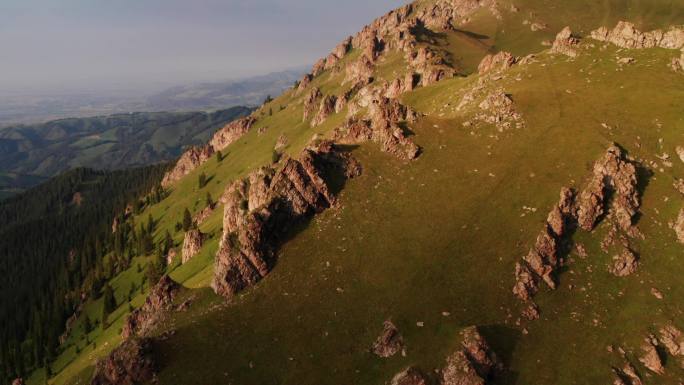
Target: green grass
x,y
412,241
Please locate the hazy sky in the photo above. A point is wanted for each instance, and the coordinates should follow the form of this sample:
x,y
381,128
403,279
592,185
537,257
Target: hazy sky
x,y
58,44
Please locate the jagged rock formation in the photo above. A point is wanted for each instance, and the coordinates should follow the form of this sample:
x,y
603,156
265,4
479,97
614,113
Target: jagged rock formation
x,y
627,375
673,340
624,264
382,126
474,364
389,342
130,363
258,213
311,103
565,43
189,161
497,108
409,376
612,174
625,35
203,214
143,319
650,358
616,175
192,244
231,132
542,261
326,108
496,62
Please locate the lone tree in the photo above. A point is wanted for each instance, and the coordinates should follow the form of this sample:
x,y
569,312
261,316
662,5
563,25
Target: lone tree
x,y
108,304
268,99
187,220
202,180
219,156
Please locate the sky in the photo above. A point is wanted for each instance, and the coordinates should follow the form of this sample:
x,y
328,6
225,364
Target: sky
x,y
138,44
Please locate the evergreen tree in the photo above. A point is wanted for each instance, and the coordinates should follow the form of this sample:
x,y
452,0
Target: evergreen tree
x,y
209,199
202,180
108,304
187,220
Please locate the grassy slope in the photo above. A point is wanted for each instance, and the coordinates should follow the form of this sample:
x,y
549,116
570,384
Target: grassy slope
x,y
411,241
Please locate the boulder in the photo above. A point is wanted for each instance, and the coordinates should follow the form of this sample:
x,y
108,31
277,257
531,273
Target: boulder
x,y
499,61
390,341
624,264
651,359
142,320
192,244
627,375
680,152
170,256
565,43
672,339
474,364
131,363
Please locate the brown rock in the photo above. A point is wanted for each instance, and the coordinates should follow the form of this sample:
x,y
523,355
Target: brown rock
x,y
304,82
231,132
651,359
679,226
672,339
129,364
318,67
390,341
170,256
256,215
624,264
531,313
20,381
475,364
499,61
192,244
565,43
627,375
679,185
326,108
311,103
203,214
142,320
409,376
626,35
189,161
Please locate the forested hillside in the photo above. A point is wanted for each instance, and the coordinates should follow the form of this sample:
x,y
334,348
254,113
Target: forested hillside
x,y
52,242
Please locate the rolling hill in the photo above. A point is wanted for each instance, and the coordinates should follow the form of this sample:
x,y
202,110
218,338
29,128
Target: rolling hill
x,y
464,192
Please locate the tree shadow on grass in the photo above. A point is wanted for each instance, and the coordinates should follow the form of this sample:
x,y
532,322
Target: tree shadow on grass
x,y
502,340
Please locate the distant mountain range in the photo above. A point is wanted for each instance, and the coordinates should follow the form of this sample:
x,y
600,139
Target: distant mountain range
x,y
32,108
31,153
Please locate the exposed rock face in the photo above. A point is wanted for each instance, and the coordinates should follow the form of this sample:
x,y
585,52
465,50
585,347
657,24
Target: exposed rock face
x,y
311,103
326,108
616,175
189,161
382,126
258,214
143,319
192,244
651,359
304,82
627,375
171,256
624,264
565,43
672,339
203,214
474,364
498,109
499,61
626,35
360,71
130,363
231,132
542,261
390,341
409,376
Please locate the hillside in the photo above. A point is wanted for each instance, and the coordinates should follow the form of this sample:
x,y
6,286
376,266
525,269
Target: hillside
x,y
31,153
464,192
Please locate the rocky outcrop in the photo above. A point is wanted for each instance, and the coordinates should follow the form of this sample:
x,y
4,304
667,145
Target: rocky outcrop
x,y
131,363
543,260
673,340
142,320
624,264
189,161
311,103
497,108
613,174
258,214
389,342
626,35
650,357
170,256
304,82
627,375
326,108
192,244
496,62
382,126
409,376
565,43
231,132
474,364
203,214
679,226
